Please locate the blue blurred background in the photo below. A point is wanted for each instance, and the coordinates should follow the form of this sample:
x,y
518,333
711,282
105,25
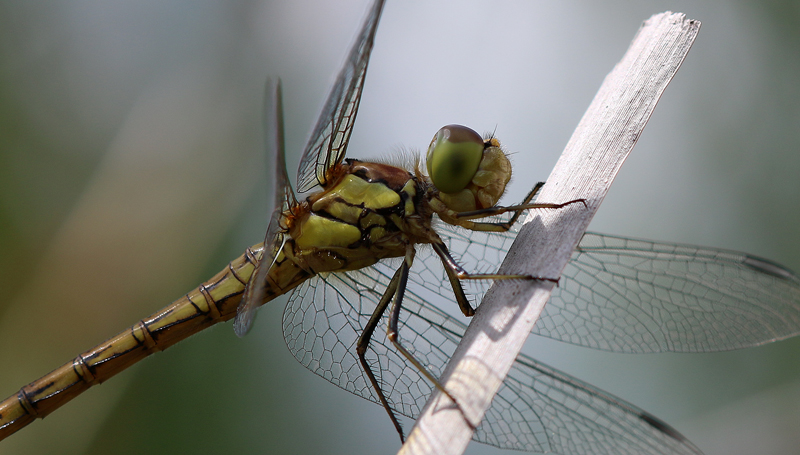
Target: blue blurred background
x,y
131,169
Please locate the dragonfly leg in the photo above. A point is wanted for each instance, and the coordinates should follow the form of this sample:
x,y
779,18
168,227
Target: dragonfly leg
x,y
363,344
455,272
452,276
395,289
463,218
393,333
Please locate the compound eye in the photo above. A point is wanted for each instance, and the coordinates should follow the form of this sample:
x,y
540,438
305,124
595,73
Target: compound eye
x,y
453,157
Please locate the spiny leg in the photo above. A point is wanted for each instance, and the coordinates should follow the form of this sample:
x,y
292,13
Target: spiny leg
x,y
455,272
393,334
526,204
525,201
396,289
455,283
363,344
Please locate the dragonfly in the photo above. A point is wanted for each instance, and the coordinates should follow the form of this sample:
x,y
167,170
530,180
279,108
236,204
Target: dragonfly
x,y
616,294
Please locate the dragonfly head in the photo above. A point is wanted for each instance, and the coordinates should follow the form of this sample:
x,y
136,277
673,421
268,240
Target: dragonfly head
x,y
470,173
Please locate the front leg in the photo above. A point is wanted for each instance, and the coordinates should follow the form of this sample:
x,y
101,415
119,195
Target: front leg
x,y
463,219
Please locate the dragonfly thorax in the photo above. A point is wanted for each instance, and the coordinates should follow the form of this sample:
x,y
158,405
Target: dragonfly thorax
x,y
359,218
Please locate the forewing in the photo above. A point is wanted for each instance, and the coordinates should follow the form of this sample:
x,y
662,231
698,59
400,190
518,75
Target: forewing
x,y
328,142
627,295
282,198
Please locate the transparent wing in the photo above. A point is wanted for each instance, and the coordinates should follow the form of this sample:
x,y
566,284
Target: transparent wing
x,y
538,409
627,295
328,142
322,323
282,198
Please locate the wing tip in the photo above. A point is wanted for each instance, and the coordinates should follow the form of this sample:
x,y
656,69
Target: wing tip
x,y
669,431
769,267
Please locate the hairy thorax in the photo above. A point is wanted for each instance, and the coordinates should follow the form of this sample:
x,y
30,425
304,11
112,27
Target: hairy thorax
x,y
368,213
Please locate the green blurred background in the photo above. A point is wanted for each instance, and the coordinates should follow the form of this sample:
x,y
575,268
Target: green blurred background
x,y
131,169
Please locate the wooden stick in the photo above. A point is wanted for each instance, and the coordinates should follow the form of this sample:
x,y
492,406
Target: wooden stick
x,y
603,139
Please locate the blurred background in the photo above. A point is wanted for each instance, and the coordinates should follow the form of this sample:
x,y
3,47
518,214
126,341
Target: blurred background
x,y
131,169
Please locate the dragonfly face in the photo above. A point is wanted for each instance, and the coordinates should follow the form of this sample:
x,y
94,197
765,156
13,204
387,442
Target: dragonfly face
x,y
470,173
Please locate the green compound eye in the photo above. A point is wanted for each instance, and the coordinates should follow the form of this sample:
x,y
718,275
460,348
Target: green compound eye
x,y
453,157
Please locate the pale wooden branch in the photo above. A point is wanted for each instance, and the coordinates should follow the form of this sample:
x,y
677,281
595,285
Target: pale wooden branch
x,y
603,139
